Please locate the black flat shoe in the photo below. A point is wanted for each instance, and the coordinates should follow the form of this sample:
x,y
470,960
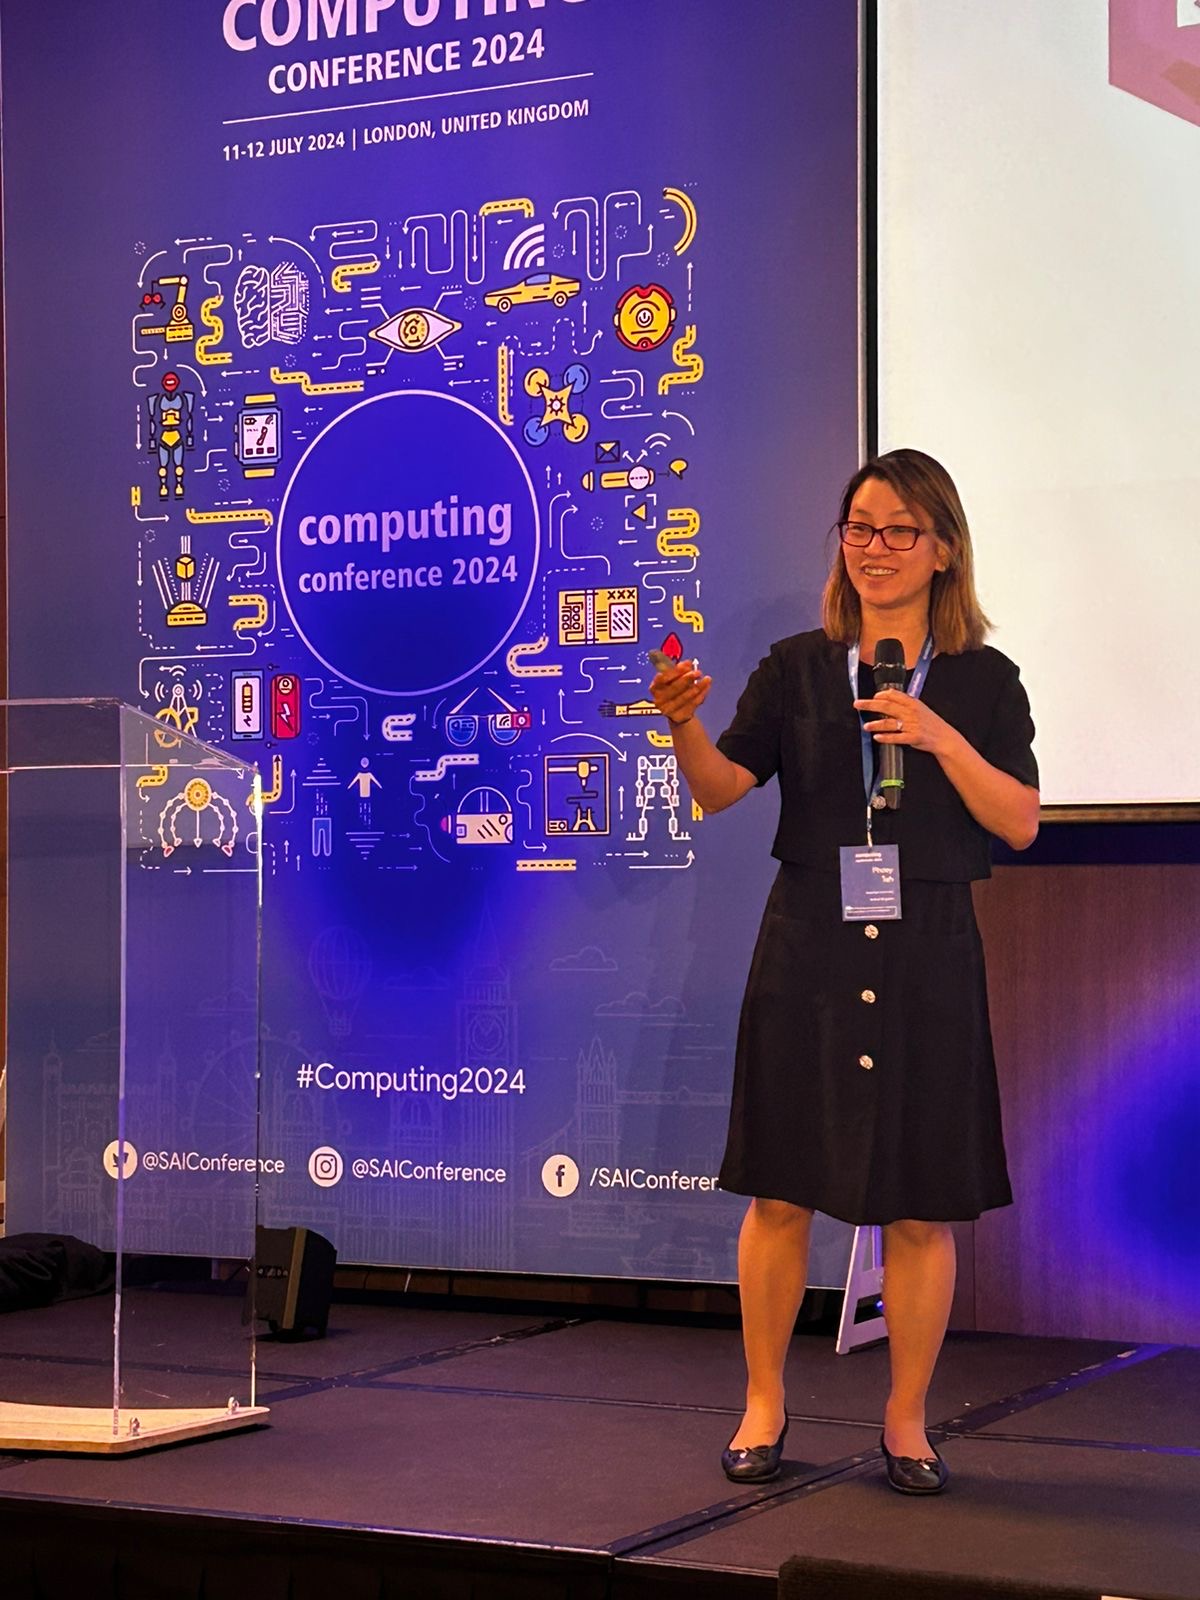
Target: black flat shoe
x,y
755,1465
910,1475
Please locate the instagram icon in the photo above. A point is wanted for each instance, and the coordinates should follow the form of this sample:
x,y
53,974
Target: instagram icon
x,y
325,1167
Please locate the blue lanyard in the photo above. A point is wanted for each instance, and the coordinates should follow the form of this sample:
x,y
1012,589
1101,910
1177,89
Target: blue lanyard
x,y
871,784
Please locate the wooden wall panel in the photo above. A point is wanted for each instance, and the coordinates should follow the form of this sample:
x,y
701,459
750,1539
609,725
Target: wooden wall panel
x,y
1094,973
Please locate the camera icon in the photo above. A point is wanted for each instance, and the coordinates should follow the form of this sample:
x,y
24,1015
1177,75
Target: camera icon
x,y
325,1167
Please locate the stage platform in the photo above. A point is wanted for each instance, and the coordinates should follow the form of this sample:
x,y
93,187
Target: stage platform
x,y
437,1453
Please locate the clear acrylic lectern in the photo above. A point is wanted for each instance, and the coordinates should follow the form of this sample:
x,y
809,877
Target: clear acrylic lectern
x,y
132,1056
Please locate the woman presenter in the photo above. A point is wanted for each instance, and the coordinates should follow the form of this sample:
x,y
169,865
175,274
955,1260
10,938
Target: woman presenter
x,y
864,1084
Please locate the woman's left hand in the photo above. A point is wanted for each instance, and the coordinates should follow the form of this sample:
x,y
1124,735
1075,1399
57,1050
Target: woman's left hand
x,y
903,720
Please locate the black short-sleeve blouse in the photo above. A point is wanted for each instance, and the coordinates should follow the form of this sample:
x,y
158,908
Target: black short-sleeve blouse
x,y
796,718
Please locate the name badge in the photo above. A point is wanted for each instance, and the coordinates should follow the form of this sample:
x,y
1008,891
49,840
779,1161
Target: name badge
x,y
870,883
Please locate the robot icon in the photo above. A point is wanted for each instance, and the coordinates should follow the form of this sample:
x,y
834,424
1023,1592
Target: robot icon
x,y
657,789
171,431
645,317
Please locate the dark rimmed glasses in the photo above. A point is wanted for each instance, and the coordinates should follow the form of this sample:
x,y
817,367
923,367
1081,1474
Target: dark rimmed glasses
x,y
896,536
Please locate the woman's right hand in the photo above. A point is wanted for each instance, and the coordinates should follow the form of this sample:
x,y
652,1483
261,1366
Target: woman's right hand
x,y
714,781
680,693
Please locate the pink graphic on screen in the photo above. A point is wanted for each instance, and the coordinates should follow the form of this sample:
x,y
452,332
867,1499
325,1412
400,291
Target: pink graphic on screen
x,y
1154,53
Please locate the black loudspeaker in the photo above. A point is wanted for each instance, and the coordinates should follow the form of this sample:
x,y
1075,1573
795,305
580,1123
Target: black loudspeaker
x,y
293,1278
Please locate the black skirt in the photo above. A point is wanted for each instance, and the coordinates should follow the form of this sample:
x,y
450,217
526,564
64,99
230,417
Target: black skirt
x,y
865,1085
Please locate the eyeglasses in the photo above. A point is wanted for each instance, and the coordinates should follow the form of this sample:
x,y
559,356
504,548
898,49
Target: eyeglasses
x,y
860,534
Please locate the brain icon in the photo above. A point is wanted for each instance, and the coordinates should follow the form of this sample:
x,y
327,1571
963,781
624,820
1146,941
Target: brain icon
x,y
271,304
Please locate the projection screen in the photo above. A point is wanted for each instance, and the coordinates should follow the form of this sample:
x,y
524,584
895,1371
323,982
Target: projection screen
x,y
1039,332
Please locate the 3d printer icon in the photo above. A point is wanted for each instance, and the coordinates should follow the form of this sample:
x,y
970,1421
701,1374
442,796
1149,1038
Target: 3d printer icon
x,y
577,794
185,592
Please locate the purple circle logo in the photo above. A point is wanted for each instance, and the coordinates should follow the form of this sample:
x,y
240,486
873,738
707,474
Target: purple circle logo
x,y
408,543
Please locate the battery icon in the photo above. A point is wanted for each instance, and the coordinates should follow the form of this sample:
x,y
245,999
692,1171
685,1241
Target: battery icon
x,y
246,705
285,706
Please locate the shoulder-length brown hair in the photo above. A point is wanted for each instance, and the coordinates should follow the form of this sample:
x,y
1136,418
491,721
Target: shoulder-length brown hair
x,y
956,618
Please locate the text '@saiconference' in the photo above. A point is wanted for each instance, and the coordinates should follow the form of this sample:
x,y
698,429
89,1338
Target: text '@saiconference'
x,y
405,1170
196,1161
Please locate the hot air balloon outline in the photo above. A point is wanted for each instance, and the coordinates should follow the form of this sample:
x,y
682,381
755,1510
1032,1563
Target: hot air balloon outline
x,y
340,966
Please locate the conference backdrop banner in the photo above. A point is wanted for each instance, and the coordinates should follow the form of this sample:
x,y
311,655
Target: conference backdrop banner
x,y
385,379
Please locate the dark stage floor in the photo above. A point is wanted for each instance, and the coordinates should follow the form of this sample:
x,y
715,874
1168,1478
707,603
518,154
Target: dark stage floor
x,y
436,1453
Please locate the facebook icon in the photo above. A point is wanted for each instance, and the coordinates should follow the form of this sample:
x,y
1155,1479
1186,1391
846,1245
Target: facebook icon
x,y
560,1176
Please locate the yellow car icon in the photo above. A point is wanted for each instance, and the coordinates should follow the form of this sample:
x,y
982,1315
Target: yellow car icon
x,y
542,286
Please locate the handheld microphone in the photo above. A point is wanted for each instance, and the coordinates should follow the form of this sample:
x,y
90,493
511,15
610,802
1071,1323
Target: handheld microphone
x,y
890,674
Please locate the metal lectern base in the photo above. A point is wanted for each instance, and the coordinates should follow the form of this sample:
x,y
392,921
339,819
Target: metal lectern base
x,y
864,1281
